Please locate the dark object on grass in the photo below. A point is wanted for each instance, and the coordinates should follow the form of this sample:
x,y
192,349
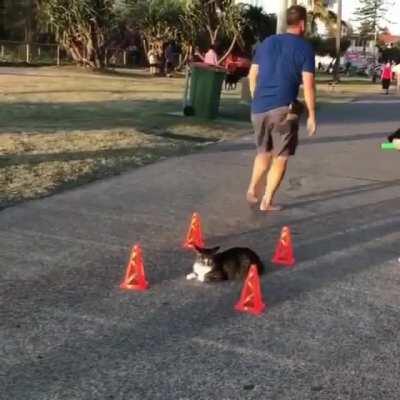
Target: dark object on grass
x,y
188,111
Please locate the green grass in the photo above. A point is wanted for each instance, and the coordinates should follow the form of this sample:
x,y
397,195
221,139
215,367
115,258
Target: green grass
x,y
63,127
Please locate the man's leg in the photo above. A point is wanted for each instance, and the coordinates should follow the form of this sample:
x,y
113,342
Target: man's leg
x,y
274,179
260,168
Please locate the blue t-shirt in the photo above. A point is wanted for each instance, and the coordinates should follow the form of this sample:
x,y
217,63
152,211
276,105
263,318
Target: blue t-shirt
x,y
281,59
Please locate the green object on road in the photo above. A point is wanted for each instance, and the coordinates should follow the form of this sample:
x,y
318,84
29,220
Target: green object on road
x,y
205,89
388,146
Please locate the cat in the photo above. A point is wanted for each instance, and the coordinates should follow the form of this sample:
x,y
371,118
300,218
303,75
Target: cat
x,y
231,264
395,135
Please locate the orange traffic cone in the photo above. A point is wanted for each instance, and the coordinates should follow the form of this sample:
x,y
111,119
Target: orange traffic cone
x,y
194,235
284,249
135,278
251,297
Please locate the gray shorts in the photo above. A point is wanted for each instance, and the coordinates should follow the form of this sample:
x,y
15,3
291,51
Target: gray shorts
x,y
276,131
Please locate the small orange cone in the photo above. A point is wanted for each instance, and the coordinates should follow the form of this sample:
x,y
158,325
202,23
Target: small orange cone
x,y
284,249
135,278
194,235
251,297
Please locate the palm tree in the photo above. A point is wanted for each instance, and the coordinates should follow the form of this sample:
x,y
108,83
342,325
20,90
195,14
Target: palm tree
x,y
215,19
321,12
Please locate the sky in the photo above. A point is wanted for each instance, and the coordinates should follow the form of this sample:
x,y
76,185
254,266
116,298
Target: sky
x,y
348,9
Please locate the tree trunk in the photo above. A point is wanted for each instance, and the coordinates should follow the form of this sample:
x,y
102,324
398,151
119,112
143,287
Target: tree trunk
x,y
87,48
222,59
185,58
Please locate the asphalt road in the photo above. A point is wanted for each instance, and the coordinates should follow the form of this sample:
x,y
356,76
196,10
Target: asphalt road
x,y
331,330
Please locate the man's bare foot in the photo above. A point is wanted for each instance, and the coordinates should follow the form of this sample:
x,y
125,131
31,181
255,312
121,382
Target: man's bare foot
x,y
266,206
272,208
251,199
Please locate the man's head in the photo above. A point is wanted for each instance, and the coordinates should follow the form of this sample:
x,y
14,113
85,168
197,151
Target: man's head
x,y
296,18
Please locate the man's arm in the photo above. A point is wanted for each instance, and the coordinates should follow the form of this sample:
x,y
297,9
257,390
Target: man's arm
x,y
253,75
309,97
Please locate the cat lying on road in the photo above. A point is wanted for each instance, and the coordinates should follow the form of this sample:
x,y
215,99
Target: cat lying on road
x,y
228,265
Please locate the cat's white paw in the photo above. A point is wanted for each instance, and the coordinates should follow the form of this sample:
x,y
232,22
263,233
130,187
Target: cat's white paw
x,y
201,278
191,276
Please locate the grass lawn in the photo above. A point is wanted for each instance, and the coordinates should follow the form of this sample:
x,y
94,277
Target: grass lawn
x,y
64,127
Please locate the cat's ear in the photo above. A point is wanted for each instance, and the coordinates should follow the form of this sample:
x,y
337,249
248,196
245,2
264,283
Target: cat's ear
x,y
214,250
198,249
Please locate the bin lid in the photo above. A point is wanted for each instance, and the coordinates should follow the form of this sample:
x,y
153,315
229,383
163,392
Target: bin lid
x,y
208,67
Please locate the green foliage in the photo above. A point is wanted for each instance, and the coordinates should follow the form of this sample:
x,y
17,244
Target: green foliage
x,y
327,47
18,20
157,19
214,22
391,54
83,27
258,25
321,12
371,14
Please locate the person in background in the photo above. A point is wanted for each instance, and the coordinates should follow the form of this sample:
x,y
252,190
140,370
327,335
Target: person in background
x,y
348,66
386,77
197,56
153,60
135,55
169,59
211,56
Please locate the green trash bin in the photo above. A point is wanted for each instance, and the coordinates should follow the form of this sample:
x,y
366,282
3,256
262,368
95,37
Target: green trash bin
x,y
205,89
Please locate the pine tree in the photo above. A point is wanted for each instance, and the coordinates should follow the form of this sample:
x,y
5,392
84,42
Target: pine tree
x,y
371,14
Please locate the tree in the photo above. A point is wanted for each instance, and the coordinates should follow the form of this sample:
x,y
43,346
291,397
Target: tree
x,y
159,21
327,46
83,27
216,20
18,19
257,25
320,12
371,14
365,35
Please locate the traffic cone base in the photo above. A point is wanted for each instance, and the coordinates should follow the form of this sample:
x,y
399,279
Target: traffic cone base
x,y
251,296
285,261
284,249
251,310
135,278
141,287
194,236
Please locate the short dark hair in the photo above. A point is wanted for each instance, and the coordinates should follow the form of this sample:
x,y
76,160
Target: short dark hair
x,y
295,15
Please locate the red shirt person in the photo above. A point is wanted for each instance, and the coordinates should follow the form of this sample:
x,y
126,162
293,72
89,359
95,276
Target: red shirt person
x,y
386,77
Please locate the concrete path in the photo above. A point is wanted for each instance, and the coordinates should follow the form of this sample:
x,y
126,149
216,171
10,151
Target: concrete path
x,y
332,327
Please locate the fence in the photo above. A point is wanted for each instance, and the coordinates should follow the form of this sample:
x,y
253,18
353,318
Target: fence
x,y
52,54
31,53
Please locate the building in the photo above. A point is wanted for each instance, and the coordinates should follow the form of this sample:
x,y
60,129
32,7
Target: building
x,y
363,51
388,40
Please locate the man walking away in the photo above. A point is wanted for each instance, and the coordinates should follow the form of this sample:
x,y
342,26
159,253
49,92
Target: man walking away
x,y
386,77
281,64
